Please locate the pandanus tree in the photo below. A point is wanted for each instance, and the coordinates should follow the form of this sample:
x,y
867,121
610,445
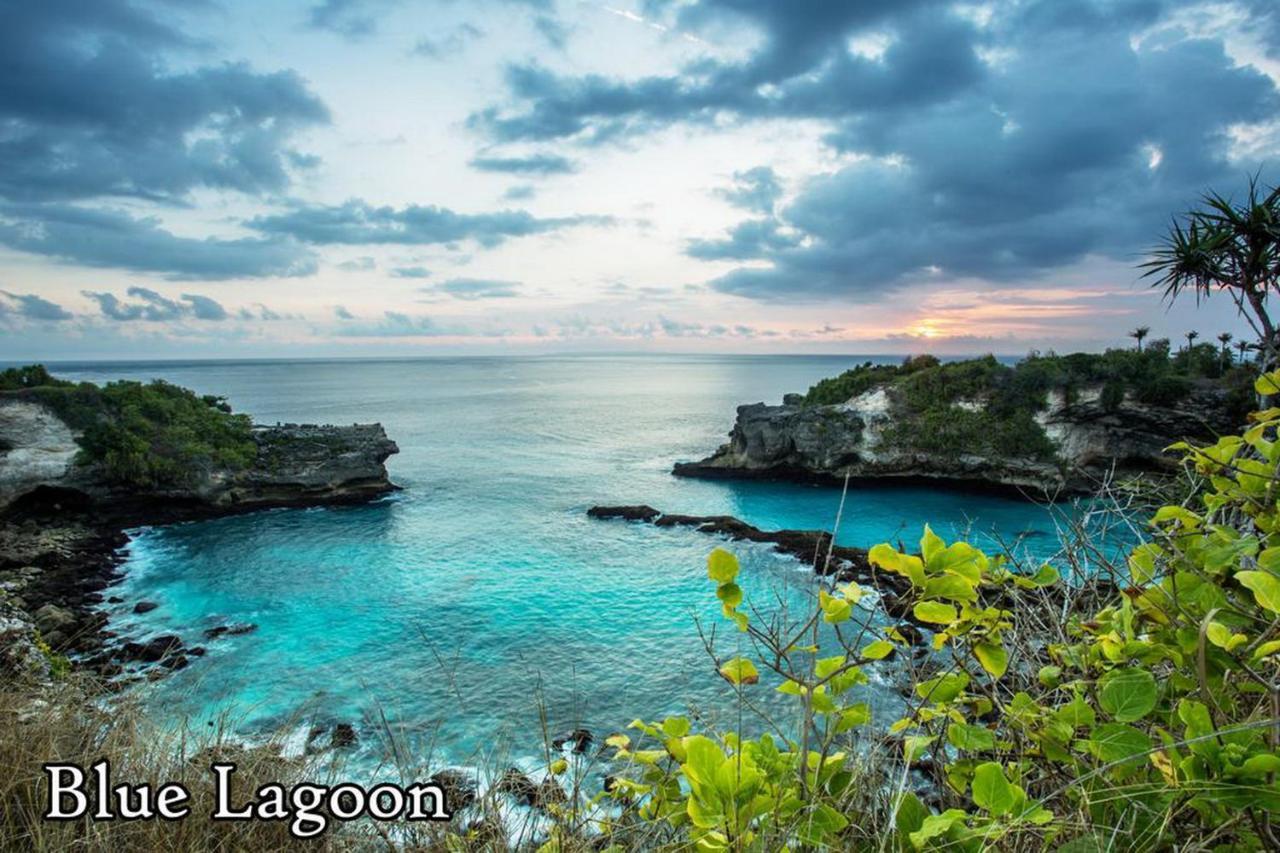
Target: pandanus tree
x,y
1139,333
1225,246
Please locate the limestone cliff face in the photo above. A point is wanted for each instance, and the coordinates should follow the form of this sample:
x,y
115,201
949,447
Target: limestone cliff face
x,y
35,448
296,465
854,438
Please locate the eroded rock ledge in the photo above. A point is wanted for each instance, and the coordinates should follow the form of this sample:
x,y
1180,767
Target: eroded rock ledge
x,y
826,443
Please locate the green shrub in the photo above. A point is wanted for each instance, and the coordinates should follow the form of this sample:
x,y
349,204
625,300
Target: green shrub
x,y
1139,715
147,435
1112,396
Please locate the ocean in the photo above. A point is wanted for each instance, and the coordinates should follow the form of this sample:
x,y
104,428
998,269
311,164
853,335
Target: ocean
x,y
480,606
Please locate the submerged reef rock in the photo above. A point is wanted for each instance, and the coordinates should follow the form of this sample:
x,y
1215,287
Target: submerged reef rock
x,y
1041,443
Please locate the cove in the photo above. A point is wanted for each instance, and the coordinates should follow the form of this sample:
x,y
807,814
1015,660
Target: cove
x,y
456,609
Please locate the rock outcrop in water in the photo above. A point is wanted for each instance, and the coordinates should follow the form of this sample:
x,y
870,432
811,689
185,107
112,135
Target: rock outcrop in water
x,y
861,439
811,547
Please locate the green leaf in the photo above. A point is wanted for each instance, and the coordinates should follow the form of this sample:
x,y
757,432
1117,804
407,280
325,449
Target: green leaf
x,y
1265,587
911,814
730,594
935,612
992,791
835,609
675,726
722,567
1112,742
739,671
878,650
931,544
853,716
943,688
950,587
993,657
913,746
1127,694
970,737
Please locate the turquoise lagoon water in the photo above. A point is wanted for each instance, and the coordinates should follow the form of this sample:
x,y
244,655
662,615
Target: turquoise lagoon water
x,y
457,607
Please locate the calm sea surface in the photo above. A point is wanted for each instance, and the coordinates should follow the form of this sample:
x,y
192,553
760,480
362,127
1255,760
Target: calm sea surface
x,y
456,608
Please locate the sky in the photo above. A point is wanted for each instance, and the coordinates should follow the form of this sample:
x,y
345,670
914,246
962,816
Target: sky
x,y
303,178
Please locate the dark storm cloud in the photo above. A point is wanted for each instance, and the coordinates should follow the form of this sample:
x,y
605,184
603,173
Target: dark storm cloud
x,y
537,164
999,149
32,307
803,70
88,108
108,238
359,223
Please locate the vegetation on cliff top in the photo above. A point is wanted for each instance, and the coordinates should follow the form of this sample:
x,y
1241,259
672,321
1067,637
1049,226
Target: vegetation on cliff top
x,y
929,394
150,435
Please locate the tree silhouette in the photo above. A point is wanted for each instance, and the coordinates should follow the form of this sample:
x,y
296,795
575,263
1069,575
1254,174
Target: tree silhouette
x,y
1191,339
1139,333
1226,247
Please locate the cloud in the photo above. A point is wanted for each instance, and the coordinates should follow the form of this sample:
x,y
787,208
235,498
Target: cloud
x,y
114,239
342,313
32,307
803,69
476,288
360,264
396,324
539,165
356,222
553,30
351,19
996,146
153,307
755,189
749,239
204,308
411,272
448,44
89,108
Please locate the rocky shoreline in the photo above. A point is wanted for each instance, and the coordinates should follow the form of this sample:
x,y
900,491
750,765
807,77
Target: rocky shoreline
x,y
63,531
814,548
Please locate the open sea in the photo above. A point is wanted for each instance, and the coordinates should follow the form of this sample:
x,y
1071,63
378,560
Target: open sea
x,y
461,611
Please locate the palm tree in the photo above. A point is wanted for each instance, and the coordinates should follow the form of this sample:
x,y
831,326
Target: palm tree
x,y
1139,333
1225,340
1243,346
1191,339
1226,247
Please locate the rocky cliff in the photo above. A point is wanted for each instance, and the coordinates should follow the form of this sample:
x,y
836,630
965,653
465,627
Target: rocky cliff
x,y
61,520
295,465
868,437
